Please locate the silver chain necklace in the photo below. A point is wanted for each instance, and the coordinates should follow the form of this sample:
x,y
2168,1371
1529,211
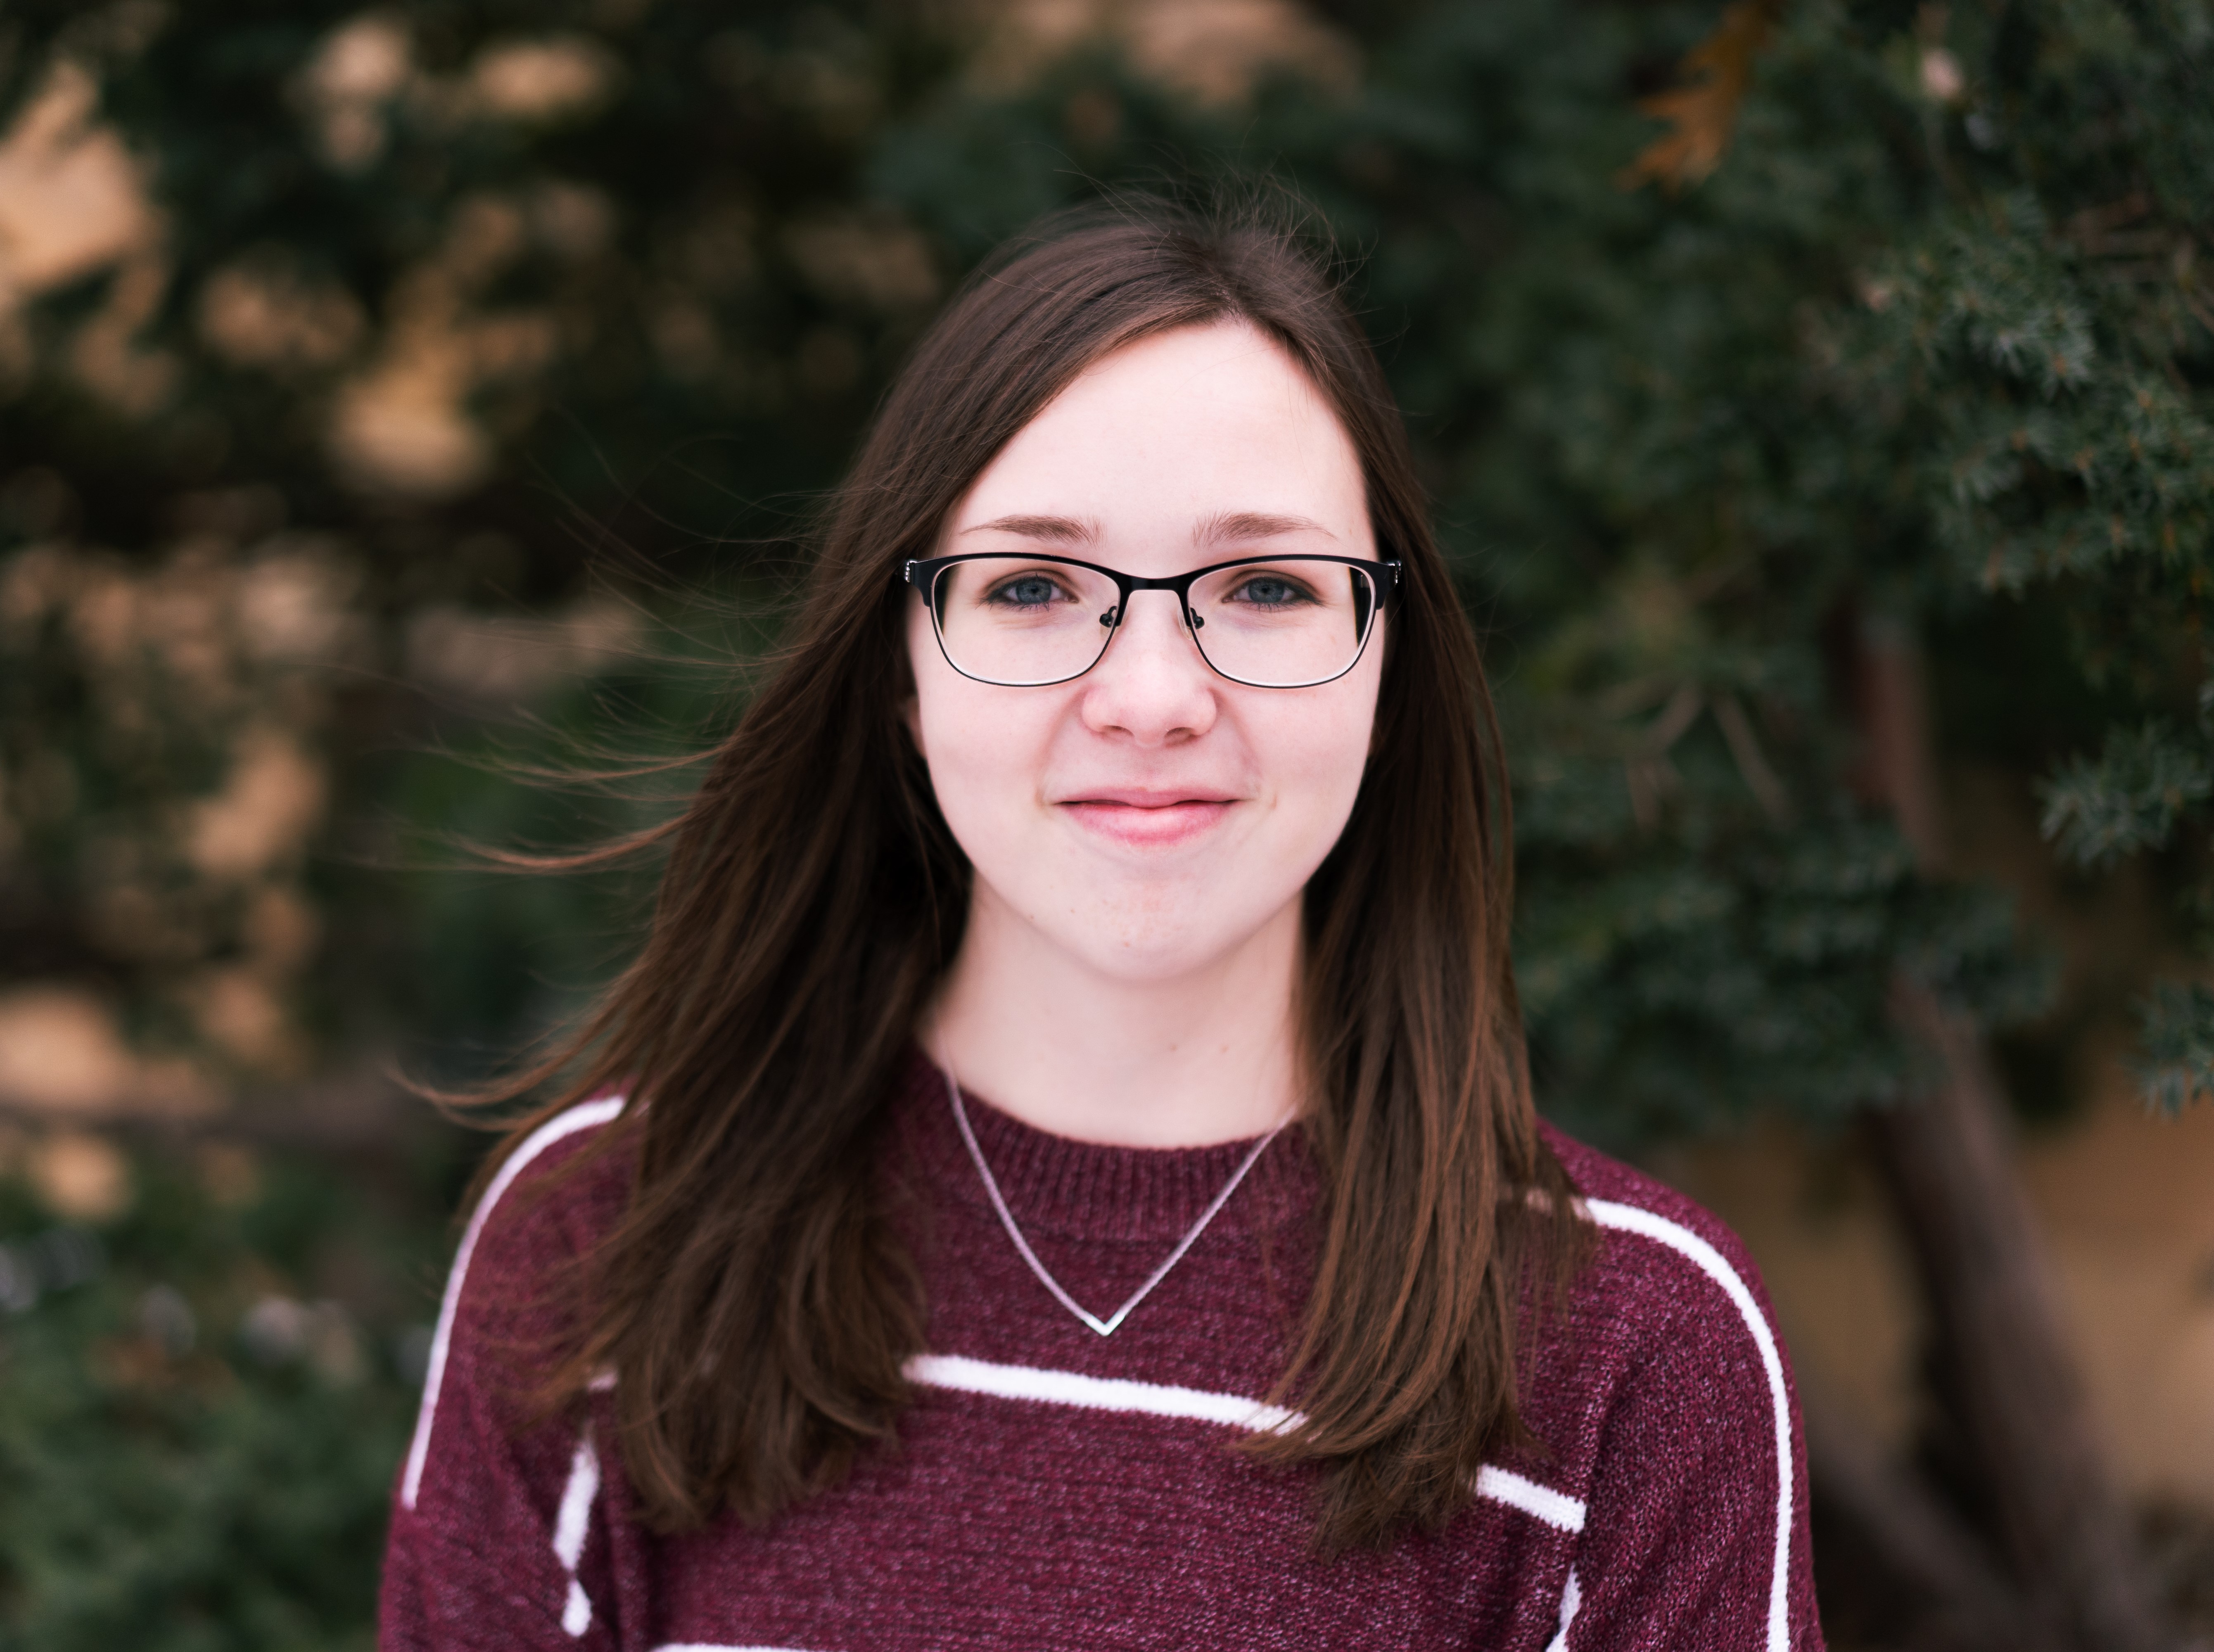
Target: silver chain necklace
x,y
1104,1327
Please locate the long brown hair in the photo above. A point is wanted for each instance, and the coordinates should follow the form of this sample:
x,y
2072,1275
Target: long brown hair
x,y
753,1299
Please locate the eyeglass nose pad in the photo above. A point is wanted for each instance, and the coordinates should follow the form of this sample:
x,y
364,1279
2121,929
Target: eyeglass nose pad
x,y
1108,618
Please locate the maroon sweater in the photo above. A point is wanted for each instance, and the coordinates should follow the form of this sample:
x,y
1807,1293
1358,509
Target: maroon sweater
x,y
1055,1489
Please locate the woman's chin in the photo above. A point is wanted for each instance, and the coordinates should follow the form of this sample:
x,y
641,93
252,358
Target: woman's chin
x,y
1141,949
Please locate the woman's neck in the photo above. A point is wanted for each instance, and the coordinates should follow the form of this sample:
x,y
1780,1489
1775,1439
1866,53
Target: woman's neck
x,y
1209,1054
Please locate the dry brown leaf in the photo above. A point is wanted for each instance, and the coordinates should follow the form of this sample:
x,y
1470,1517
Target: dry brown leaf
x,y
1702,113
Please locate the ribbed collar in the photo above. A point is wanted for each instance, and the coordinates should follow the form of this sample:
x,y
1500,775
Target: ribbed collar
x,y
1084,1189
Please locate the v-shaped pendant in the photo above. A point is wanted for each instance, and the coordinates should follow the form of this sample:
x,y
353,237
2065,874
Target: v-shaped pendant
x,y
1104,1327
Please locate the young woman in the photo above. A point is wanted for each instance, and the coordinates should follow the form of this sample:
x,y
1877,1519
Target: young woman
x,y
1062,1171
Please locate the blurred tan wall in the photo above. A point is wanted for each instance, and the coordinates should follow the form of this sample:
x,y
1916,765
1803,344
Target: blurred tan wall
x,y
2126,1204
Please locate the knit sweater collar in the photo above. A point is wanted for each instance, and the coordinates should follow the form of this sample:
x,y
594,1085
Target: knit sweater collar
x,y
1087,1189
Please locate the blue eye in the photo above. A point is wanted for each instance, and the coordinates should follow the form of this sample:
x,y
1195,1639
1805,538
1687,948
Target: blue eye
x,y
1270,590
1027,590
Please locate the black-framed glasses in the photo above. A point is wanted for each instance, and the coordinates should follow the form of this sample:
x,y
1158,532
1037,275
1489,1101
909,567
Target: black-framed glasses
x,y
1265,621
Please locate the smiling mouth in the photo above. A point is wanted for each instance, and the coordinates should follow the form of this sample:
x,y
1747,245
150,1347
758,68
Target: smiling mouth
x,y
1143,819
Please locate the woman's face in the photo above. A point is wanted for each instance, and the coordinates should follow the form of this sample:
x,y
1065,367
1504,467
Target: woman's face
x,y
1151,816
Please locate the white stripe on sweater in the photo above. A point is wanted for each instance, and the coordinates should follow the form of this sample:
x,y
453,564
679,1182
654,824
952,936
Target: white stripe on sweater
x,y
576,1610
1556,1508
968,1376
575,1520
1572,1600
1097,1393
583,1117
1629,1219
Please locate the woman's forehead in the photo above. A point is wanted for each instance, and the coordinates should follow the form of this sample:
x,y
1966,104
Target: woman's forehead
x,y
1202,434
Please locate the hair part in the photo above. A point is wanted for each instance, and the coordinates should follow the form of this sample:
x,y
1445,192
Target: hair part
x,y
753,1298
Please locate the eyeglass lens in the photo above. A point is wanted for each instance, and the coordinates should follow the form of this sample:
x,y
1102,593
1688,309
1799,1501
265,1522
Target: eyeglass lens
x,y
1023,620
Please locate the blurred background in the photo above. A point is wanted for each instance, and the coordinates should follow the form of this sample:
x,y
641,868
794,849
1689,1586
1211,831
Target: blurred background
x,y
403,408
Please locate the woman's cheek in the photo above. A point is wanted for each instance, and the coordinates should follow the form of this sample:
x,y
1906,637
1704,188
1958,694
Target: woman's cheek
x,y
1327,756
984,767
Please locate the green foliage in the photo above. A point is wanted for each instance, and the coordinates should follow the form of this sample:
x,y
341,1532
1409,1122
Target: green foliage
x,y
2144,781
447,311
488,952
1668,994
197,1441
672,258
2176,1067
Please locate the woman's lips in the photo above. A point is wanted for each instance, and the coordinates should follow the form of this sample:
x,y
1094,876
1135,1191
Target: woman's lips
x,y
1146,820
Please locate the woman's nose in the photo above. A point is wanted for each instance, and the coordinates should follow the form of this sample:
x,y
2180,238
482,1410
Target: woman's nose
x,y
1152,683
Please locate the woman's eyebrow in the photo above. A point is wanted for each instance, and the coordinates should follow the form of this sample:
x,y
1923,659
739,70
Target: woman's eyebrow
x,y
1059,530
1241,525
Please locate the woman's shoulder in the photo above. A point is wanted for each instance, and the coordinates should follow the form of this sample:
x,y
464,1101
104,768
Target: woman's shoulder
x,y
1622,1199
1662,1401
550,1198
555,1191
1668,1284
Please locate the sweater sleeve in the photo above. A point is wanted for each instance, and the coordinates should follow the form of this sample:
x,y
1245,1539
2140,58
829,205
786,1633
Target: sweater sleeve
x,y
1696,1534
499,1538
